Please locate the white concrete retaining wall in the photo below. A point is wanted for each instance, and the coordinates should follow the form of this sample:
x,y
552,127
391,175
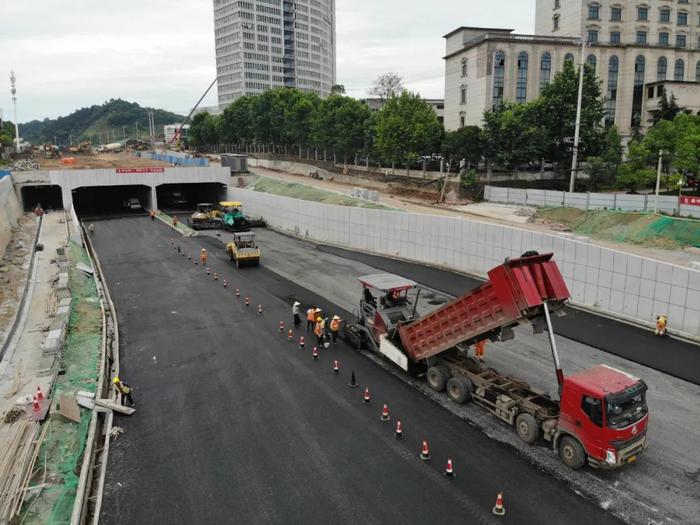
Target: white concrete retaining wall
x,y
589,201
621,284
9,212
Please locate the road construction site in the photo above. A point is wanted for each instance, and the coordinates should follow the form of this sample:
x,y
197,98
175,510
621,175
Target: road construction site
x,y
259,421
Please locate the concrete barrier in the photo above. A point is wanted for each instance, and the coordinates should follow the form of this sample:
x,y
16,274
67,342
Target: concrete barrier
x,y
10,211
624,285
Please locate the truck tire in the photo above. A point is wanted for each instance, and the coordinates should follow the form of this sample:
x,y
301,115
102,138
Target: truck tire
x,y
527,428
437,377
571,453
459,389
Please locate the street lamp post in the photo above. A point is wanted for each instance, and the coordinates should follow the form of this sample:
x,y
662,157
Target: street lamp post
x,y
13,90
577,133
658,181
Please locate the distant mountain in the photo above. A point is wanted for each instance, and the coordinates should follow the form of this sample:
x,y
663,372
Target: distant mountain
x,y
100,124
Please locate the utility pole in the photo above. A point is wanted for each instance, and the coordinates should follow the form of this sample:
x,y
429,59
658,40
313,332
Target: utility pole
x,y
13,90
658,181
577,133
137,130
124,132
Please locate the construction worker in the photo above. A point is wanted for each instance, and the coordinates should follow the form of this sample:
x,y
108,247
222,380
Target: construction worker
x,y
479,350
152,215
91,228
175,221
318,330
295,313
125,390
335,328
203,256
661,322
310,319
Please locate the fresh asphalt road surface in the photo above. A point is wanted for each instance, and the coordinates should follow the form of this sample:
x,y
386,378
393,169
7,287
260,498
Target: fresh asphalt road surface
x,y
672,356
236,425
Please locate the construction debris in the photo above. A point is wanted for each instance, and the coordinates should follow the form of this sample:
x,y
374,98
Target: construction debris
x,y
24,165
17,455
108,403
115,432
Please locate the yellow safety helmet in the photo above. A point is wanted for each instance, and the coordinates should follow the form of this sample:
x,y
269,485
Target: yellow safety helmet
x,y
115,380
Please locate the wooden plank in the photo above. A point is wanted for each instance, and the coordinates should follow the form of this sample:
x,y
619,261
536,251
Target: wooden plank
x,y
69,408
108,403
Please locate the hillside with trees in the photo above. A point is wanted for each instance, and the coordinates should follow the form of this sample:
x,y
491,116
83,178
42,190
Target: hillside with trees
x,y
108,122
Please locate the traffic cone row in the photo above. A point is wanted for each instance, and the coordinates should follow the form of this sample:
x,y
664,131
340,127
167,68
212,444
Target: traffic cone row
x,y
314,353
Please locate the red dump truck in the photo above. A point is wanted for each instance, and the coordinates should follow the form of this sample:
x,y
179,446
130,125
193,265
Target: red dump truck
x,y
601,415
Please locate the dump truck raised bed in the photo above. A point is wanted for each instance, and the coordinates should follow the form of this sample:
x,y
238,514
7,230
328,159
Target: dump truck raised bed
x,y
600,417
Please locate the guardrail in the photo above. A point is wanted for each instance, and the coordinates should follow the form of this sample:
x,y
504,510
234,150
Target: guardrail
x,y
591,201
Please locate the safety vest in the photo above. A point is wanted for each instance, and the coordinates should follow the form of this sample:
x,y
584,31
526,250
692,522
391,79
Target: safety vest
x,y
124,389
335,324
310,314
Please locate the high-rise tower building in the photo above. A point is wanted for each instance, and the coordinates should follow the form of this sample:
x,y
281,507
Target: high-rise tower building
x,y
266,44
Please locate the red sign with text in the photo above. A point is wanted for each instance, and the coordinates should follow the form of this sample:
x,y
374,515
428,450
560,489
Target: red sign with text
x,y
689,201
140,170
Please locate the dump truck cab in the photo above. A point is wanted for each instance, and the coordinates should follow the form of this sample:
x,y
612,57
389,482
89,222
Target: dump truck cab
x,y
386,301
243,250
605,410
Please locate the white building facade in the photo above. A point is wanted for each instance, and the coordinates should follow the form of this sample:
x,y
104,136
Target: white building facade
x,y
267,44
630,43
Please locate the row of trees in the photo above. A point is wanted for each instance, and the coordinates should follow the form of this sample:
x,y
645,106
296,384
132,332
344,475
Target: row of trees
x,y
404,129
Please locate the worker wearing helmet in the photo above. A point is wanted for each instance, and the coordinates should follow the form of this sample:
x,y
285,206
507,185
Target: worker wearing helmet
x,y
125,391
661,322
152,215
310,318
335,328
295,313
319,330
203,256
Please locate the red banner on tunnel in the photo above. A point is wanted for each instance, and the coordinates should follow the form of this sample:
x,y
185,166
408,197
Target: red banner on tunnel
x,y
140,170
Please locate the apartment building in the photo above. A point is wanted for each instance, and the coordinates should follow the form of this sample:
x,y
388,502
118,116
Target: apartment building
x,y
266,44
631,44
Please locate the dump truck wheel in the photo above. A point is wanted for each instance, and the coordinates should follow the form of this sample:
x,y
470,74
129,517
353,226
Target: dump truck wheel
x,y
459,389
437,377
571,453
527,428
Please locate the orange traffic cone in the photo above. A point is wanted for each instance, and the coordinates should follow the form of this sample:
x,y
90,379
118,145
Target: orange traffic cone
x,y
36,407
259,309
498,508
385,413
449,471
208,271
314,354
216,276
196,262
281,326
336,368
399,430
225,283
290,335
247,301
425,451
39,393
367,399
189,256
301,343
238,292
353,382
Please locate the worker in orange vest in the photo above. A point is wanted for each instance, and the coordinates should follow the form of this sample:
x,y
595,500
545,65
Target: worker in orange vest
x,y
335,328
479,350
152,215
203,256
661,322
175,221
310,318
318,330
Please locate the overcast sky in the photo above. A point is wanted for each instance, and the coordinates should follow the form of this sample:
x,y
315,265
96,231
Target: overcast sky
x,y
160,53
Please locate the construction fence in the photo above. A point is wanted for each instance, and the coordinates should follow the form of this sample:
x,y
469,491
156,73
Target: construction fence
x,y
591,201
622,284
176,159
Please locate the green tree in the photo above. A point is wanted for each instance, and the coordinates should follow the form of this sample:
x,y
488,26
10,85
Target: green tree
x,y
7,133
465,143
556,110
688,145
668,108
337,89
340,125
603,170
298,117
387,85
407,128
204,130
237,121
635,172
663,136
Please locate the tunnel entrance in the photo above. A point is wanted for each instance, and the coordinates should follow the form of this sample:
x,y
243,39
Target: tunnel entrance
x,y
185,197
109,201
48,197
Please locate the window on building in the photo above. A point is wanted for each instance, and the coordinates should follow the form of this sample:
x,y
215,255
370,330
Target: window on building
x,y
665,15
682,18
521,81
499,70
661,68
642,13
568,58
614,37
663,39
650,92
611,98
555,22
545,70
681,40
462,121
592,36
641,37
464,67
616,14
591,61
557,4
697,71
638,91
593,12
679,70
463,95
